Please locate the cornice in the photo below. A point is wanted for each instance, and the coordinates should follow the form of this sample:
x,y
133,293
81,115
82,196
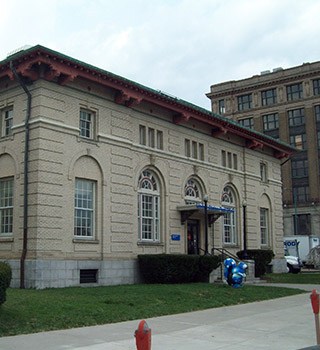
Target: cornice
x,y
41,63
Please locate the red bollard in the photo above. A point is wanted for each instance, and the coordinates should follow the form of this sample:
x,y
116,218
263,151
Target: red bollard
x,y
143,336
314,296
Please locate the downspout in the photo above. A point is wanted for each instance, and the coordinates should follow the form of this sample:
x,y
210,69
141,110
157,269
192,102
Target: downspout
x,y
25,178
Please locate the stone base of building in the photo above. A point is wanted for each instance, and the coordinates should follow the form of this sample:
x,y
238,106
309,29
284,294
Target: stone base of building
x,y
279,265
42,274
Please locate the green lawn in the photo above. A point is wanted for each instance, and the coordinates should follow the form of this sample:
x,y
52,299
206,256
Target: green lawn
x,y
30,311
304,278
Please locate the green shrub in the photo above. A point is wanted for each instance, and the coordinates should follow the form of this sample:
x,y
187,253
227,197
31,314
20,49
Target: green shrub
x,y
261,257
5,279
207,263
176,268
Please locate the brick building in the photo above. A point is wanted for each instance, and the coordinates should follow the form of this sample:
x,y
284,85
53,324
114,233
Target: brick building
x,y
284,104
96,169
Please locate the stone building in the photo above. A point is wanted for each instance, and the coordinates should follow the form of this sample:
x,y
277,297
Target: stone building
x,y
284,104
96,169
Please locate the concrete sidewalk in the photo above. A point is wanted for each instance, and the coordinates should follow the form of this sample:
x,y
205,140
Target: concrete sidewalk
x,y
284,324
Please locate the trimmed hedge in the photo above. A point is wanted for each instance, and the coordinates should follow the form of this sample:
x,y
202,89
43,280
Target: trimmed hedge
x,y
176,268
261,257
5,279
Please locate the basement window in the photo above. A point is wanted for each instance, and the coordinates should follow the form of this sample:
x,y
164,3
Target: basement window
x,y
89,276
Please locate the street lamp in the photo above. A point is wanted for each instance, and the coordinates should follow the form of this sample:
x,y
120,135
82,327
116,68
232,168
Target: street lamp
x,y
244,209
205,199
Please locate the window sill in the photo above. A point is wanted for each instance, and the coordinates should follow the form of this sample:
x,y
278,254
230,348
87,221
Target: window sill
x,y
85,240
5,239
93,141
147,243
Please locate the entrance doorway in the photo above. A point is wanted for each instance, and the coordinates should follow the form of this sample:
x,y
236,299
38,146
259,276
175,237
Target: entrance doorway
x,y
193,236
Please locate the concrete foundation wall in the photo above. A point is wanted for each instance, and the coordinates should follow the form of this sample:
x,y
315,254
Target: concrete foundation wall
x,y
58,274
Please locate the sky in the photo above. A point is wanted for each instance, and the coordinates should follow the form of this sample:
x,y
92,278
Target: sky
x,y
180,47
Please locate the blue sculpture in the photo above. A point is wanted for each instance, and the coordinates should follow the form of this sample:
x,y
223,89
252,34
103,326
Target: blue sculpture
x,y
234,274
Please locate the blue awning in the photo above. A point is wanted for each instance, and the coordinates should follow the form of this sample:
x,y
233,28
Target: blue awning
x,y
215,209
214,212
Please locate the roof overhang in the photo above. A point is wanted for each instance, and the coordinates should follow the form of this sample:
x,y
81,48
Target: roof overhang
x,y
214,212
39,62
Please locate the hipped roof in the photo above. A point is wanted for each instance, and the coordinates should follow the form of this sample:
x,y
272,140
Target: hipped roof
x,y
63,69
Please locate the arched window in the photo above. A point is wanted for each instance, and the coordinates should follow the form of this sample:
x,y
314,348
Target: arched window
x,y
229,221
149,207
192,192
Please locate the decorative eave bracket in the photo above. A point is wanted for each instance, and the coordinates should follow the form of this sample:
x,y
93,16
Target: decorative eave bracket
x,y
54,70
280,155
218,131
254,144
180,118
127,98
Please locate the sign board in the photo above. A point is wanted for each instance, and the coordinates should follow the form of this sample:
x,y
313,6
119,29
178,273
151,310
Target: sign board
x,y
175,236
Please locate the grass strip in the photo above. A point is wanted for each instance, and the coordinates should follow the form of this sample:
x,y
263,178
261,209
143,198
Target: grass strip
x,y
30,311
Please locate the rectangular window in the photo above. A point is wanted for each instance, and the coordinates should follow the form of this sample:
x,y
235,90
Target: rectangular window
x,y
89,276
84,215
316,87
270,121
194,150
269,97
86,124
300,194
302,224
229,228
222,108
223,158
151,136
296,117
187,148
229,160
263,172
235,161
299,141
149,217
264,234
159,139
6,206
244,102
317,112
142,135
7,122
294,92
247,122
201,151
299,168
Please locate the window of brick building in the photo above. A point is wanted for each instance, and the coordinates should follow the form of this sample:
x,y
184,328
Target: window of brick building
x,y
296,117
299,168
270,121
294,92
247,122
244,102
269,97
316,87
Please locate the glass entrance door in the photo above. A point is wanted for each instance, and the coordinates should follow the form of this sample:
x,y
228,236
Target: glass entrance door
x,y
193,236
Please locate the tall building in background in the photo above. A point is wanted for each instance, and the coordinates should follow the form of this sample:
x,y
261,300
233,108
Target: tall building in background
x,y
283,104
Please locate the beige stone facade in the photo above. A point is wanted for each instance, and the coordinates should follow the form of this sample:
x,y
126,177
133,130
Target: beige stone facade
x,y
109,179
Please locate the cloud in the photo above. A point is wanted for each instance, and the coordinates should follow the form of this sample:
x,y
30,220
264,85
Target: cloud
x,y
178,46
